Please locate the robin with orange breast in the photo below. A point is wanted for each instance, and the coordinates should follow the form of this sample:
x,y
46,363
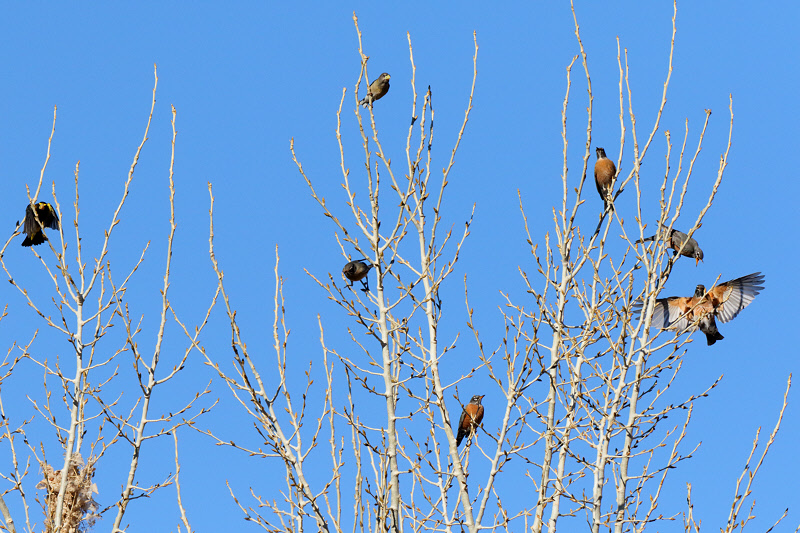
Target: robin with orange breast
x,y
377,89
725,301
471,417
679,241
604,172
357,271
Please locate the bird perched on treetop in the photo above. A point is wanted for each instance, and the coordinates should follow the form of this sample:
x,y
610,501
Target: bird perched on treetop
x,y
377,89
356,271
604,172
33,231
471,418
725,301
676,240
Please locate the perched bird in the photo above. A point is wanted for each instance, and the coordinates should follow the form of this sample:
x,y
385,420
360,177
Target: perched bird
x,y
471,418
604,172
725,301
356,271
676,240
33,231
377,89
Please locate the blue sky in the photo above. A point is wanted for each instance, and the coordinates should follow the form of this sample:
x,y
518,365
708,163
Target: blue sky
x,y
247,78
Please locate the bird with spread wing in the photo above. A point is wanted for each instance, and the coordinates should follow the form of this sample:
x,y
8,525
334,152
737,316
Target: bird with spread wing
x,y
723,302
32,229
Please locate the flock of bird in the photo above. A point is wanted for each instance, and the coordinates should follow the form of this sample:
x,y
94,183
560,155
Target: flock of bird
x,y
724,301
684,313
701,310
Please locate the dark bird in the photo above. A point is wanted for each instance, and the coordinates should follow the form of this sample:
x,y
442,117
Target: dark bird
x,y
33,231
725,301
356,271
604,172
676,240
377,89
471,418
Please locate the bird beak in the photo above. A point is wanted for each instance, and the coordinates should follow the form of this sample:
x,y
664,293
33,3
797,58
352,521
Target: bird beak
x,y
696,261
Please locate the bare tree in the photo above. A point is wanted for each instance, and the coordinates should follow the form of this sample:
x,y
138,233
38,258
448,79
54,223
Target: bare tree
x,y
585,379
88,301
596,445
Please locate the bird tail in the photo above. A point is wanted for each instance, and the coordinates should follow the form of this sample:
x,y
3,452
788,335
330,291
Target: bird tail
x,y
651,238
364,102
37,239
711,338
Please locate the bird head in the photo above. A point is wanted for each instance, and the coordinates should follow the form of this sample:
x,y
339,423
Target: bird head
x,y
698,256
385,76
601,152
477,399
700,291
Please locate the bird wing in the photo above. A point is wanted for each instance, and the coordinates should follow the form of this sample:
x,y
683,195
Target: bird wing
x,y
29,225
731,297
461,431
677,238
49,218
680,241
373,86
461,419
673,312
